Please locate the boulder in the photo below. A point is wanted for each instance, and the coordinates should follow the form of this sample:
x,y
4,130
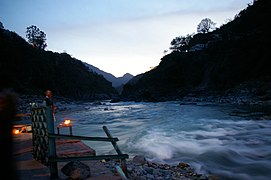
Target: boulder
x,y
76,170
139,160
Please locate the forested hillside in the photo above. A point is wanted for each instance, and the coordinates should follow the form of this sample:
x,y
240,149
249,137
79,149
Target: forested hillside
x,y
234,58
30,70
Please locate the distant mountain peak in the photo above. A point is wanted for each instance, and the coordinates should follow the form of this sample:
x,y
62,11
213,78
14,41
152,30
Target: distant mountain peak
x,y
127,75
116,81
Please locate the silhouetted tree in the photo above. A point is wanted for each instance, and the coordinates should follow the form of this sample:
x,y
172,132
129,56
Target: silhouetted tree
x,y
205,26
180,43
36,37
1,25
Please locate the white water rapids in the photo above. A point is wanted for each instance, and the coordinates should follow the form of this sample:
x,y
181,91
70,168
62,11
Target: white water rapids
x,y
231,142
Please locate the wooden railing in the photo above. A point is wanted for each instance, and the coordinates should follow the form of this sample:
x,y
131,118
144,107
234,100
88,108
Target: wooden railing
x,y
44,142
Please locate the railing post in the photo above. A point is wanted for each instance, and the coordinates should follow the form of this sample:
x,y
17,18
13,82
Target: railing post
x,y
123,161
51,143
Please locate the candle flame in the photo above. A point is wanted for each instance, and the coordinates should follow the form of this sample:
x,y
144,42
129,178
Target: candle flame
x,y
16,131
67,121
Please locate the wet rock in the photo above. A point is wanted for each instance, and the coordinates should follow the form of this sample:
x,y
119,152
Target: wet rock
x,y
139,160
183,165
140,168
76,170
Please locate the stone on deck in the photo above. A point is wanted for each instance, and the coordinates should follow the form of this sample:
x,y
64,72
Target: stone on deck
x,y
28,168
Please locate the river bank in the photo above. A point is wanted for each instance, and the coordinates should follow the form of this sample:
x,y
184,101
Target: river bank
x,y
137,167
251,93
236,97
206,135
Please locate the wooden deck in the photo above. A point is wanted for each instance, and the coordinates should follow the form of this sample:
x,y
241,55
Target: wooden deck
x,y
29,169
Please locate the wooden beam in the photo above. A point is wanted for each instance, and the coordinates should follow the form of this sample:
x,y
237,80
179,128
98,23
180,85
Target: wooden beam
x,y
86,158
123,161
23,115
62,136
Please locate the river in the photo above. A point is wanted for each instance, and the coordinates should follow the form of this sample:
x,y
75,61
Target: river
x,y
228,141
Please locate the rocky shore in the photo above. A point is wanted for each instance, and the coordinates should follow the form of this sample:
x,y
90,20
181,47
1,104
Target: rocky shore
x,y
139,168
240,96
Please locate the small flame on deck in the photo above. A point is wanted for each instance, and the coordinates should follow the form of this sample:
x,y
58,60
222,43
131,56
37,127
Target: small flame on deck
x,y
16,131
67,121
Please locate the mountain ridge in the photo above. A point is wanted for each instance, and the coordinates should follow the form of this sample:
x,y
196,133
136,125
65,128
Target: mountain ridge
x,y
235,59
29,70
116,81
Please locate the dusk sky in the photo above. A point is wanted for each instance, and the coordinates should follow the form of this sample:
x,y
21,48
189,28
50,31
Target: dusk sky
x,y
116,36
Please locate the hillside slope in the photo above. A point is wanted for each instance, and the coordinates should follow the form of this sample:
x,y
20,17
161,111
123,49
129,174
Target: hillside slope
x,y
116,81
28,70
236,59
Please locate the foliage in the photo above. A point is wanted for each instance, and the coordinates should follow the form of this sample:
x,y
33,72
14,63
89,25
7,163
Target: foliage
x,y
205,26
30,70
1,25
236,53
180,43
36,37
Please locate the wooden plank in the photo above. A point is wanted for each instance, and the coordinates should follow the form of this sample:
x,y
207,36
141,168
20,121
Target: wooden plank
x,y
22,114
51,143
63,136
86,158
110,136
67,148
123,161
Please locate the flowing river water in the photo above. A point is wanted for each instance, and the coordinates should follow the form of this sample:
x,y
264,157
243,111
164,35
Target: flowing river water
x,y
228,141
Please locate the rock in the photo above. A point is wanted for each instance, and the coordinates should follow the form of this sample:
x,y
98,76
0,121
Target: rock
x,y
76,170
137,169
115,100
183,165
139,160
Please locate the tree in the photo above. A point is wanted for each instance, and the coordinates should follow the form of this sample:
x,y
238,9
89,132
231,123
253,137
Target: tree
x,y
205,26
1,25
180,43
36,37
